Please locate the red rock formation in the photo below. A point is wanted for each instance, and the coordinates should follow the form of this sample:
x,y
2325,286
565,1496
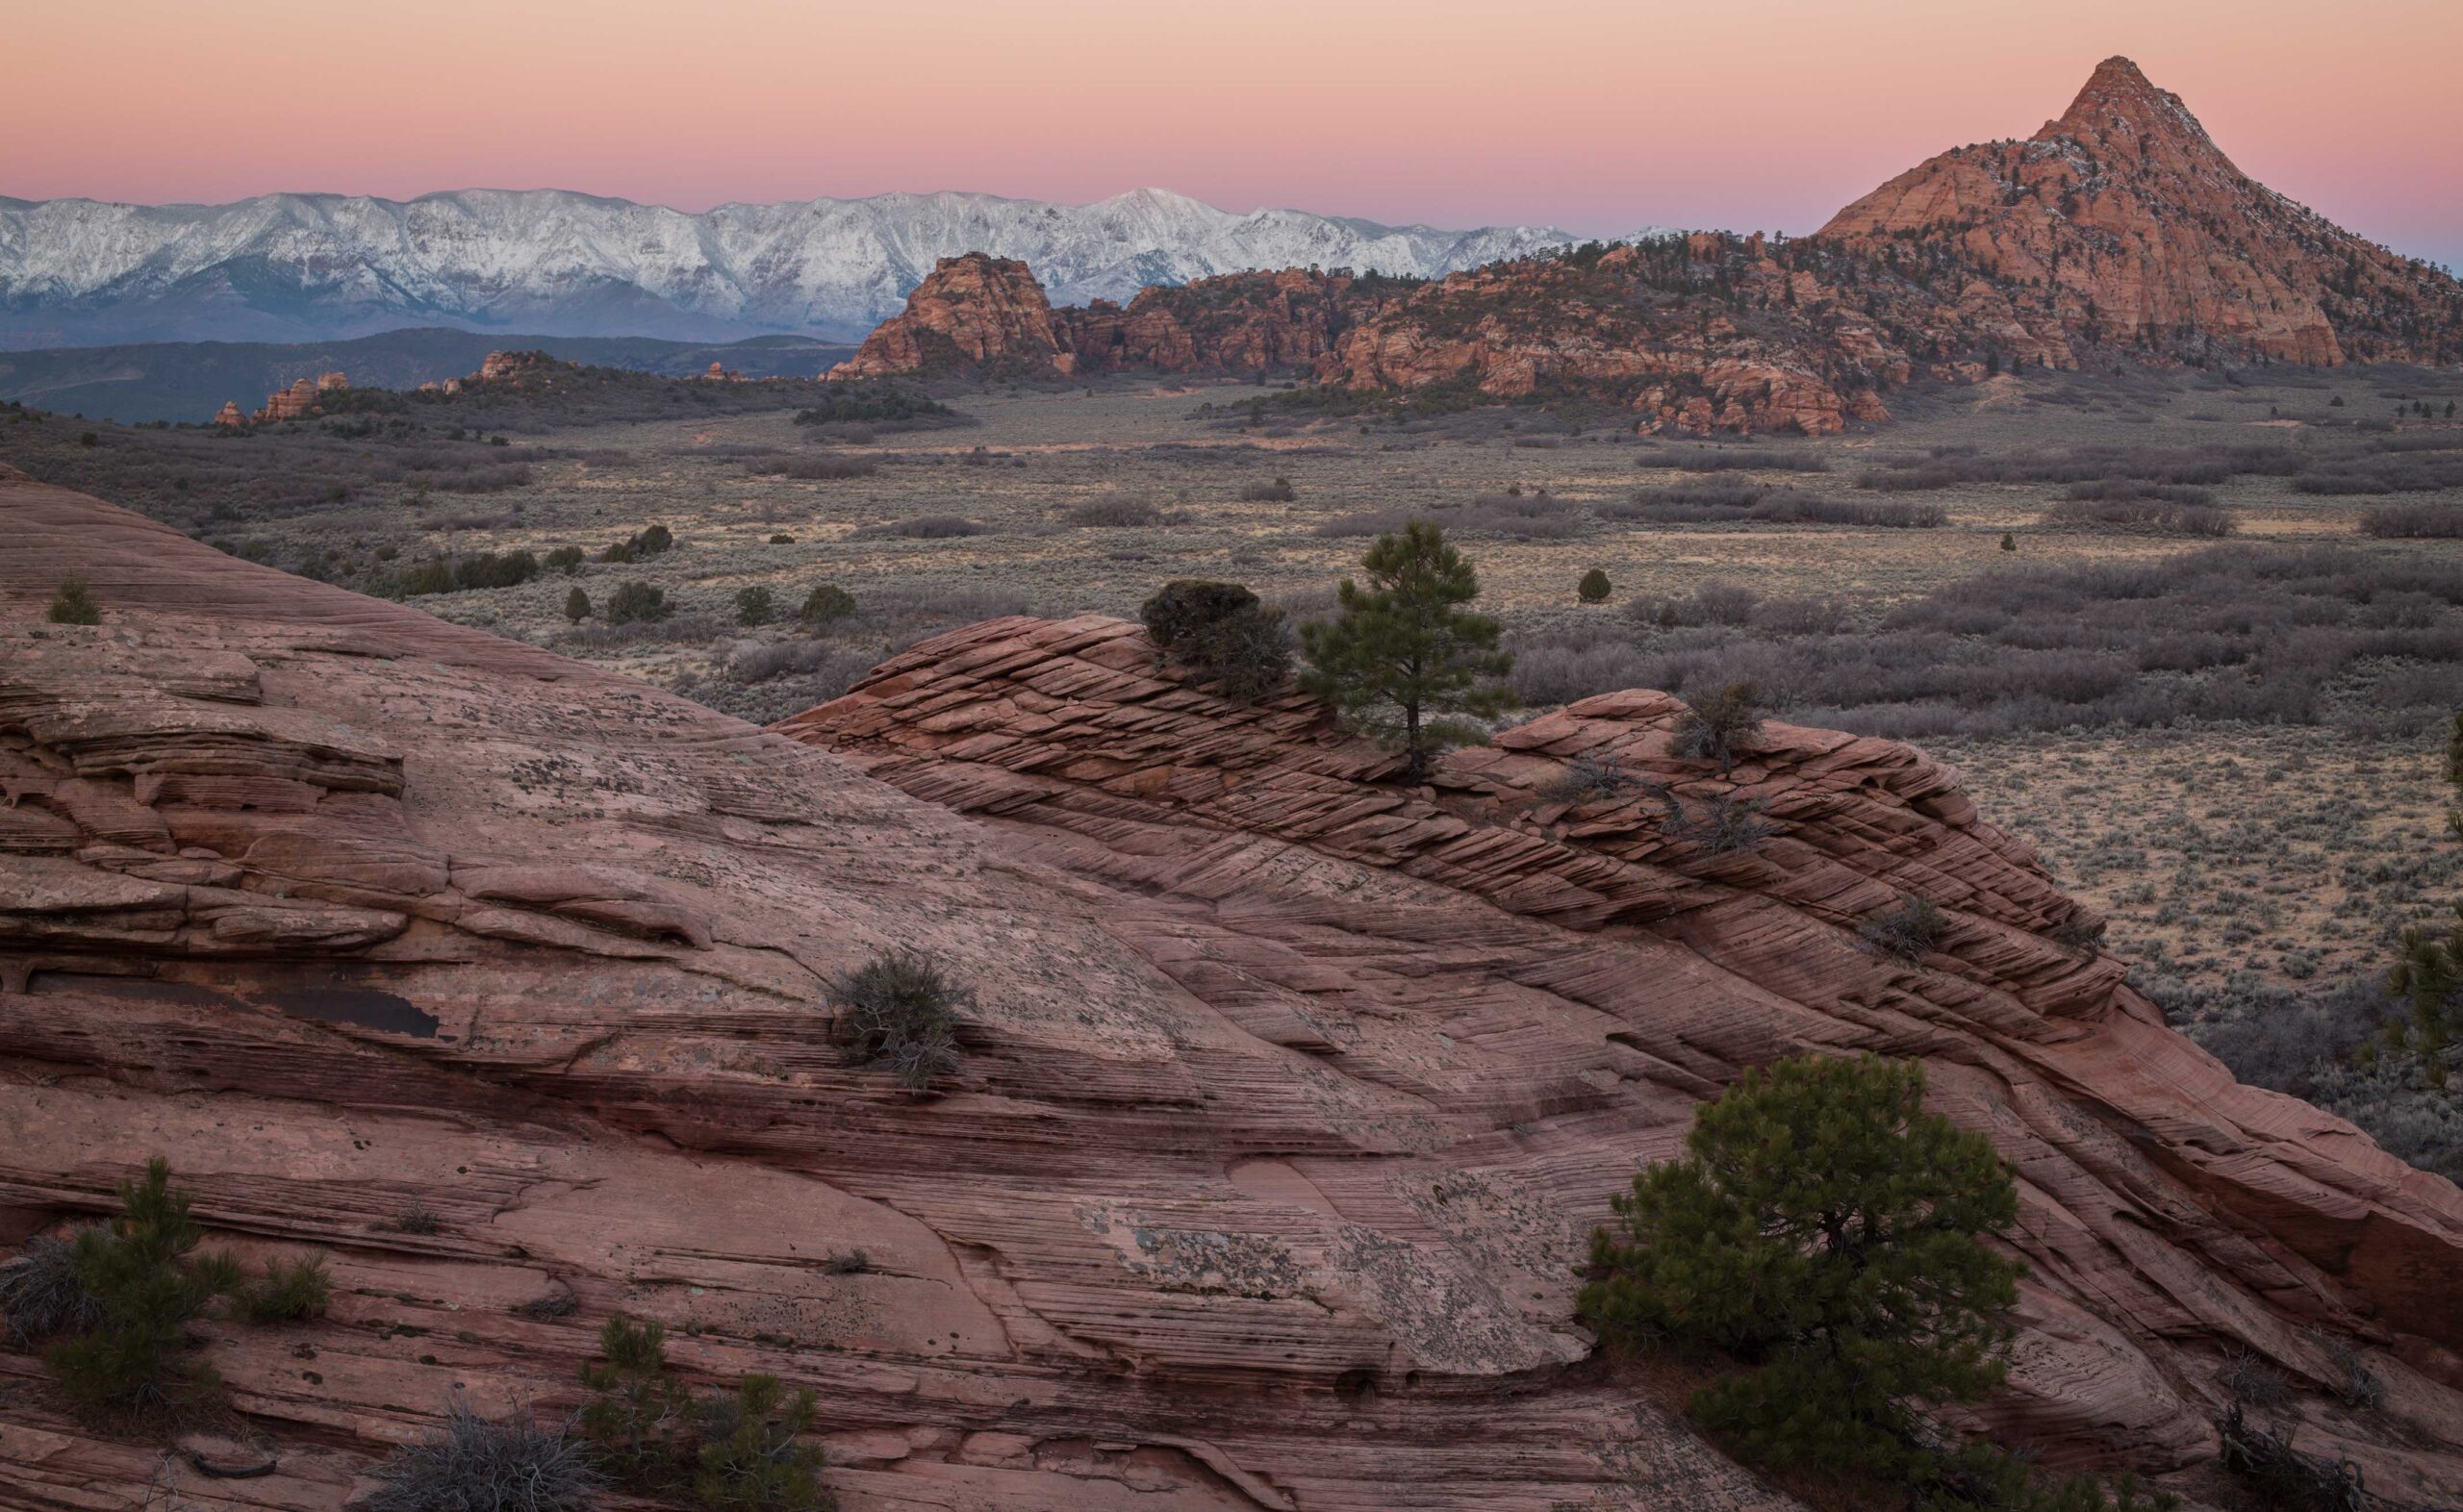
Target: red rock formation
x,y
294,403
2124,221
1574,971
1237,323
229,414
973,314
2119,230
1289,1093
327,382
978,314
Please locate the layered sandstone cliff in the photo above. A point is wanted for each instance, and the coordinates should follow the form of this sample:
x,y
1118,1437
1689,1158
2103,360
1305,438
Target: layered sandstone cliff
x,y
1289,1097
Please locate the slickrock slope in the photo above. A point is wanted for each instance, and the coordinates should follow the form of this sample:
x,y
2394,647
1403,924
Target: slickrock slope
x,y
1289,1097
1532,995
350,911
2123,221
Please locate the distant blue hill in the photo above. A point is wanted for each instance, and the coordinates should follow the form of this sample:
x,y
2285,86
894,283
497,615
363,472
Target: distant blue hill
x,y
190,380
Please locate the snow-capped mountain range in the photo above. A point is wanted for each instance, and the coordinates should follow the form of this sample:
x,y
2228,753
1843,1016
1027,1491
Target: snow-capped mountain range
x,y
326,267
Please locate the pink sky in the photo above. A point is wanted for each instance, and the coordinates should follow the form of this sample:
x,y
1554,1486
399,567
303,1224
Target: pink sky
x,y
1592,115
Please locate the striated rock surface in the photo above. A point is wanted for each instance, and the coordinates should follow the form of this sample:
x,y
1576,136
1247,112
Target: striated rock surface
x,y
1540,990
2122,220
350,911
1289,1097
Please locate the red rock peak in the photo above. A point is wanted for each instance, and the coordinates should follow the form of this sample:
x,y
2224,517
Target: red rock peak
x,y
2119,104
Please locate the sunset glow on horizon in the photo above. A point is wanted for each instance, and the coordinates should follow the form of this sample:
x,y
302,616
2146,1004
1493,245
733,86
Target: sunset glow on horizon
x,y
1593,115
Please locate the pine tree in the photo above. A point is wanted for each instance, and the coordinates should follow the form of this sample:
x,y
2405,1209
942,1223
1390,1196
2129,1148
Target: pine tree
x,y
750,1459
1403,649
639,1415
1594,587
1827,1231
137,1270
576,605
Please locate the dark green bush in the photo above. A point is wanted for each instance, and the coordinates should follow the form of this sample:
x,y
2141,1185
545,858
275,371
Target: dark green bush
x,y
1221,632
434,576
636,602
825,604
558,1304
488,569
576,605
1118,511
419,1219
650,543
755,606
1594,587
562,558
899,1012
290,1291
74,604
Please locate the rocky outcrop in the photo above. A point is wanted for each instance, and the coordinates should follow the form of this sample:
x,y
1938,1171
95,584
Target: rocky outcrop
x,y
347,911
1237,323
2119,231
974,314
2122,220
1289,1093
1553,982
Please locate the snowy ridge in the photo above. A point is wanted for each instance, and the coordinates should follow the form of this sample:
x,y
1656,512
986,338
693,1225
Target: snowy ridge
x,y
326,267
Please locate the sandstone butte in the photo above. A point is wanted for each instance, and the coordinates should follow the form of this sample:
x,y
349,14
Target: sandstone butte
x,y
1290,1093
2118,233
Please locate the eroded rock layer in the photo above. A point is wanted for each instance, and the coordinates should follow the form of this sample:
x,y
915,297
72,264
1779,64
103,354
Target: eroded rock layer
x,y
355,915
1547,984
1289,1096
